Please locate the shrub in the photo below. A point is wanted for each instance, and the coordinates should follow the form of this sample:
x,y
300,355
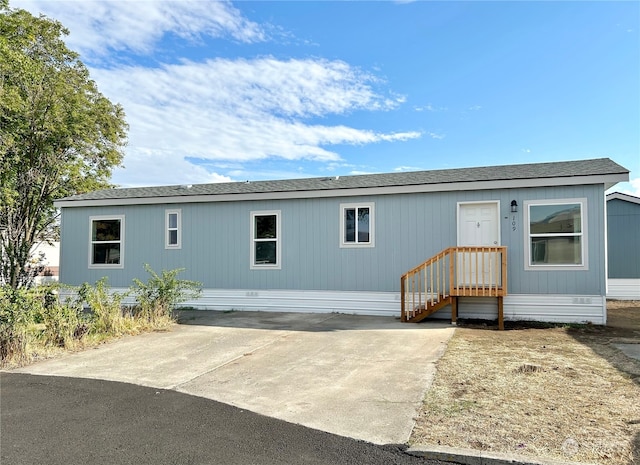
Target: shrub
x,y
33,320
161,293
17,310
106,308
64,322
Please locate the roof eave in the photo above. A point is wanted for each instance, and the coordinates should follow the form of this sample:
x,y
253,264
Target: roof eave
x,y
608,180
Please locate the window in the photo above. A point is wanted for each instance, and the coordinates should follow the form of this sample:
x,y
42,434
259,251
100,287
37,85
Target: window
x,y
173,229
356,225
265,240
556,234
106,242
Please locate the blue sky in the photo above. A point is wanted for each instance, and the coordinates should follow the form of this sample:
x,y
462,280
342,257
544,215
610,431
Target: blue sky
x,y
221,91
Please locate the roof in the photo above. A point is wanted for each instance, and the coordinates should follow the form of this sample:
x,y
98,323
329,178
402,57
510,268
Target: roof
x,y
602,170
625,197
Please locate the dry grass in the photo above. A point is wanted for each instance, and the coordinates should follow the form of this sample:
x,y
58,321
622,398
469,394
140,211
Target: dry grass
x,y
563,393
38,348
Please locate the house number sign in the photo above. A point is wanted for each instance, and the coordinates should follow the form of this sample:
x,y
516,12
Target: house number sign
x,y
514,225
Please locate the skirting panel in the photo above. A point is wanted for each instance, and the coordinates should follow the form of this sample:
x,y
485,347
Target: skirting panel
x,y
523,307
355,303
553,308
623,289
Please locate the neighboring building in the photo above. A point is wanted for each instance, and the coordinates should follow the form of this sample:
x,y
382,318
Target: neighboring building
x,y
341,244
623,240
50,254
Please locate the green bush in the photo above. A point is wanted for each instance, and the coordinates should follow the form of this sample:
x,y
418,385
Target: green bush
x,y
106,308
32,321
64,323
17,310
161,293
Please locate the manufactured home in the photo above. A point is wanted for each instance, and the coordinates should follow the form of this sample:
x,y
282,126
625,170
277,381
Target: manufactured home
x,y
521,241
623,239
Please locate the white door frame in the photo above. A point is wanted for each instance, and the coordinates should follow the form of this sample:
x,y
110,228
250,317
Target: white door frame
x,y
458,224
467,275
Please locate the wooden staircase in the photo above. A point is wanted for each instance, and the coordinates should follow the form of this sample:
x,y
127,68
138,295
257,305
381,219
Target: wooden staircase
x,y
455,272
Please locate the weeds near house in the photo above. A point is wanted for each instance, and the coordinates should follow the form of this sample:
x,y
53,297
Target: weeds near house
x,y
17,308
64,324
161,293
106,308
35,322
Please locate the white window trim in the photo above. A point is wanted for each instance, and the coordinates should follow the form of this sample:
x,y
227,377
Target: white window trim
x,y
584,243
121,241
178,228
372,216
278,239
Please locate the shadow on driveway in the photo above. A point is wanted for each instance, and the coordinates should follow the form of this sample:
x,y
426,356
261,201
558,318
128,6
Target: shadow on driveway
x,y
312,322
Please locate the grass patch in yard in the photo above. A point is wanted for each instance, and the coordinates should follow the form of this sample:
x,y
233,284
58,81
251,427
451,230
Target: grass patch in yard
x,y
36,323
563,393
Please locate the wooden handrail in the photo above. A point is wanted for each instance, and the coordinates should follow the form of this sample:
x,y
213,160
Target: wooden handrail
x,y
455,271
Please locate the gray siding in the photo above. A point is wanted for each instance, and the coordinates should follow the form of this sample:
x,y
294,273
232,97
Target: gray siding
x,y
623,237
409,228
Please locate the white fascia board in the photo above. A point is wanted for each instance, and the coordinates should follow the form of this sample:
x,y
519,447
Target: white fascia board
x,y
611,179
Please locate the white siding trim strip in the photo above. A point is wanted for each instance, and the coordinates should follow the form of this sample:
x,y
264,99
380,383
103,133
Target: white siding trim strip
x,y
623,289
552,308
524,307
557,308
349,302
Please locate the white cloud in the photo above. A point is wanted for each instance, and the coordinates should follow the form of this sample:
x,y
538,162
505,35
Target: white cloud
x,y
360,172
430,107
632,187
435,135
225,110
332,166
145,168
100,26
242,110
407,168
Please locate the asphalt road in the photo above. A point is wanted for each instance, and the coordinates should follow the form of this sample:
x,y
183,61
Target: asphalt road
x,y
59,420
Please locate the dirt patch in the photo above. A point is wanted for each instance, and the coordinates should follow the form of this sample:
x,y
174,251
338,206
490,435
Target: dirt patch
x,y
555,392
623,319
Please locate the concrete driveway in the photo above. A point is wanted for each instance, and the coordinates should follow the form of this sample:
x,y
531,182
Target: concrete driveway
x,y
356,376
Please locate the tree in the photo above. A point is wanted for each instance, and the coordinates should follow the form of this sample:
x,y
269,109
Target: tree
x,y
59,135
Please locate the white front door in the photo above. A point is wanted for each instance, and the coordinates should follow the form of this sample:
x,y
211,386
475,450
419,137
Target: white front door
x,y
478,225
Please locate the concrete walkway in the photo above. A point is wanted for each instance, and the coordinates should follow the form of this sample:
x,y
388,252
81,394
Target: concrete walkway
x,y
356,376
630,350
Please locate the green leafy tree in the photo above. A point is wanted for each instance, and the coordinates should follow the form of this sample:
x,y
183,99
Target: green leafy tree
x,y
59,135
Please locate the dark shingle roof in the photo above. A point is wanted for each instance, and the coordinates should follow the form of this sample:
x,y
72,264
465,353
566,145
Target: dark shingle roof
x,y
601,166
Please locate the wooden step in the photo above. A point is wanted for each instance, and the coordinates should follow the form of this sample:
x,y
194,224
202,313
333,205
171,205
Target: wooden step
x,y
429,309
